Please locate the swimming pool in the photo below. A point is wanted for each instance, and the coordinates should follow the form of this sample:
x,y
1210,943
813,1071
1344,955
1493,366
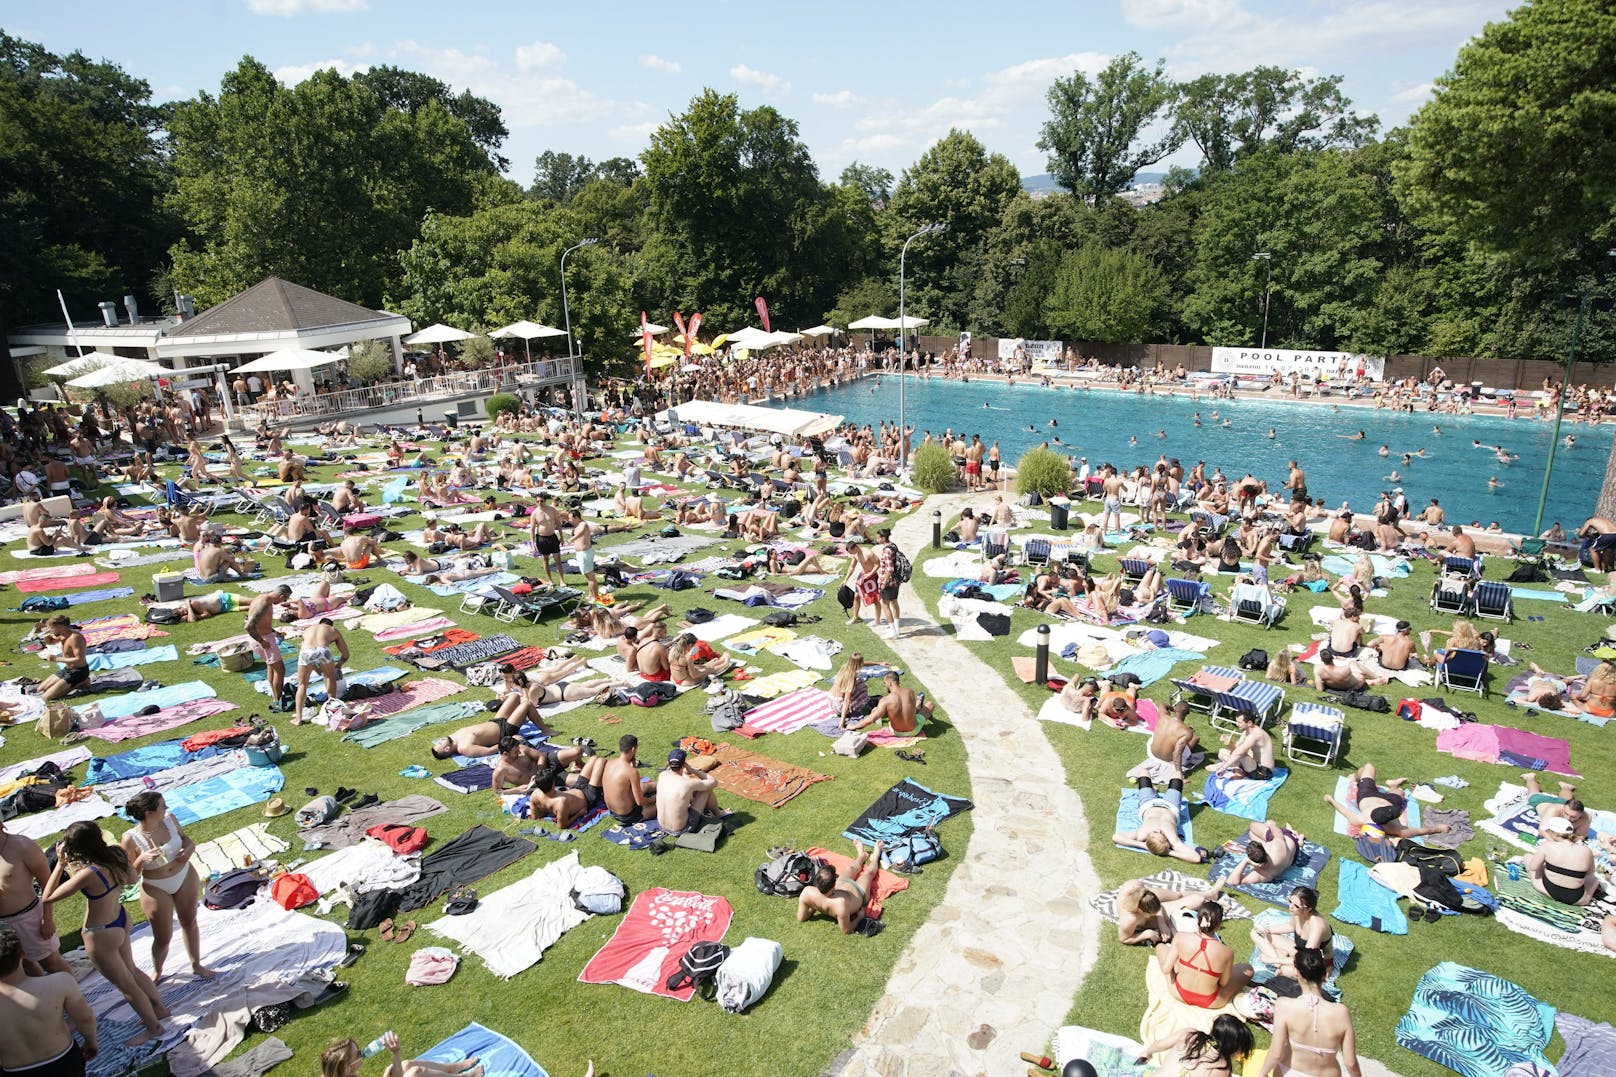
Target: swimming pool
x,y
1099,423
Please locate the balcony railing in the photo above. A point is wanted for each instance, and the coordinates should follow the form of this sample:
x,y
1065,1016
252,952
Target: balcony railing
x,y
511,377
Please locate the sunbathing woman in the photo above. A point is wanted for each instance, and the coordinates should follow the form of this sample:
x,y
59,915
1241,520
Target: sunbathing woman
x,y
1282,669
1598,695
1312,1035
1270,851
1308,930
342,1059
1199,967
1464,637
609,623
1106,597
1204,1054
794,561
1381,808
318,603
525,694
1147,916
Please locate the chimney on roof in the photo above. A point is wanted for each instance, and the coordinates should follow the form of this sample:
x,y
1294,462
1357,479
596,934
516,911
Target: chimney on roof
x,y
133,309
109,314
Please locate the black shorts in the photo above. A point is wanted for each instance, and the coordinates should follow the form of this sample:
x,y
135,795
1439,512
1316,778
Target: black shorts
x,y
70,1063
75,675
889,594
1260,774
546,544
43,551
629,818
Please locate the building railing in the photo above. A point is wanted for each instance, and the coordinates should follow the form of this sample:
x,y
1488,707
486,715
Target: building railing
x,y
512,377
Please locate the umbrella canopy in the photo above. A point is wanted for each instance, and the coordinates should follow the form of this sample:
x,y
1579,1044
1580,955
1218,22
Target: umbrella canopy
x,y
874,321
74,367
910,322
791,422
438,333
665,360
292,359
781,337
750,338
120,371
527,331
820,331
690,368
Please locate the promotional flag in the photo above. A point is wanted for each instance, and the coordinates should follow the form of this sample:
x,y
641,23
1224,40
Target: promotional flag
x,y
763,312
645,339
679,323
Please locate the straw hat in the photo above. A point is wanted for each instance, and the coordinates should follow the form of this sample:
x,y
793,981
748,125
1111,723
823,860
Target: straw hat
x,y
276,808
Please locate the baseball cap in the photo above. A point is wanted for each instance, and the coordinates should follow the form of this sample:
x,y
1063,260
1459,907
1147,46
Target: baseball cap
x,y
1558,825
676,758
1397,489
1157,637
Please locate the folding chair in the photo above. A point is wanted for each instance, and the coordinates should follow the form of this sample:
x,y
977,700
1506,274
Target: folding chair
x,y
1451,594
1250,604
510,608
1134,569
478,602
1259,699
1313,733
1075,556
1211,524
1494,600
1184,595
1198,697
1297,544
1461,566
994,544
1036,552
1464,671
1528,547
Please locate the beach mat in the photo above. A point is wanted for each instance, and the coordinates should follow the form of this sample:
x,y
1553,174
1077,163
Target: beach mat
x,y
1310,860
907,808
1243,797
1128,819
654,934
1475,1023
64,583
760,779
498,1056
223,793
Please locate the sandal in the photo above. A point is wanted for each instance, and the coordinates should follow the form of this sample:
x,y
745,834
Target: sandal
x,y
386,930
404,931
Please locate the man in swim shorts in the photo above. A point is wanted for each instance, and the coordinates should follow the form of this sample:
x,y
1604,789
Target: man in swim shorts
x,y
1251,756
324,652
627,797
261,630
583,547
686,797
1168,752
38,1041
843,898
1159,816
22,868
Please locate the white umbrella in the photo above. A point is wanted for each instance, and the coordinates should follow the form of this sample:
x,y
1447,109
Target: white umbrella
x,y
292,359
650,327
820,331
874,321
785,338
73,367
438,333
527,331
750,338
120,371
909,322
690,368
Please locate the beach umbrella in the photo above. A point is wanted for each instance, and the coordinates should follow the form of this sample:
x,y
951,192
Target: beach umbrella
x,y
650,327
527,331
120,371
438,333
82,365
292,359
820,331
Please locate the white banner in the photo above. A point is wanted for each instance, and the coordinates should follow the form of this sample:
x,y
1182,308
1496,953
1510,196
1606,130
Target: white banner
x,y
1039,351
1333,365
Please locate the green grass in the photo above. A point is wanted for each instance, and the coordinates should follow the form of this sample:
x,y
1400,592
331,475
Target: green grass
x,y
823,992
1380,979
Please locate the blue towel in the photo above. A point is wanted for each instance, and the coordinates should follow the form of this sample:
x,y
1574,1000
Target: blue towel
x,y
1310,860
1128,819
78,598
223,793
139,762
1366,903
125,659
1243,797
1539,596
1475,1023
499,1056
394,490
1152,666
114,707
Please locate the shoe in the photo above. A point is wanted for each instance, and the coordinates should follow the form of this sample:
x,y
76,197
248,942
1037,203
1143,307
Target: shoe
x,y
911,757
366,801
1432,916
344,794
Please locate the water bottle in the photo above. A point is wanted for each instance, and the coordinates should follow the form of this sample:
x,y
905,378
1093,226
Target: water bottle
x,y
1514,870
375,1046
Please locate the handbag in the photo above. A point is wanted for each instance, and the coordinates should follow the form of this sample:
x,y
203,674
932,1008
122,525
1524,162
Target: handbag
x,y
502,557
56,722
851,744
89,716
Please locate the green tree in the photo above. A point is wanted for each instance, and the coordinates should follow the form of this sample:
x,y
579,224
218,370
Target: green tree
x,y
1022,253
874,182
869,295
1105,295
559,176
1236,115
1094,135
622,171
371,361
411,91
958,183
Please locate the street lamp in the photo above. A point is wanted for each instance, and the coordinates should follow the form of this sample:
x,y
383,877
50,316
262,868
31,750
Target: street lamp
x,y
1585,302
1267,262
903,440
565,313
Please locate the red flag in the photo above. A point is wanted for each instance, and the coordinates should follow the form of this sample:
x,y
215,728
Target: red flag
x,y
763,312
695,327
645,338
679,322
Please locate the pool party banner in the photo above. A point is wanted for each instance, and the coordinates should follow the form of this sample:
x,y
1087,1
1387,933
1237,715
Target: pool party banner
x,y
1039,351
1281,361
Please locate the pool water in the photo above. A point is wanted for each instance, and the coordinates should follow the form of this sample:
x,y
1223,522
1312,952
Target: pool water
x,y
1099,423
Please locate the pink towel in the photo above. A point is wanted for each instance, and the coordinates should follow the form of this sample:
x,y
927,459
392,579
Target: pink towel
x,y
791,712
431,965
411,631
63,583
412,694
140,725
49,572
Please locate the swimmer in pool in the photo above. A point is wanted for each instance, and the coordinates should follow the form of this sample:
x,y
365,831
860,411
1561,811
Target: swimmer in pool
x,y
1052,422
1161,433
1270,433
1493,483
1227,424
1393,477
1385,450
1197,418
1133,440
1570,441
1359,436
1408,458
1437,430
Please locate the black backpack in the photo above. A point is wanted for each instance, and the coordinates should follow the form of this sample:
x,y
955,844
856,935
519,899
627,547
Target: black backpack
x,y
163,615
1256,658
1366,701
233,889
780,618
699,965
787,874
901,567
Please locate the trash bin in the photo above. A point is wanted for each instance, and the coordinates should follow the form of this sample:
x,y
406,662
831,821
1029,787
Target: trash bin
x,y
1057,514
170,586
451,419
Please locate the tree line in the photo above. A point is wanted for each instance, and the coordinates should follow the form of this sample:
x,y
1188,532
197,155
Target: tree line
x,y
1461,233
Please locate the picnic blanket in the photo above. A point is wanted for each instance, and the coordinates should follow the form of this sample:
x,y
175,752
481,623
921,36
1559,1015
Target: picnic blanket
x,y
653,935
55,820
886,883
165,718
907,808
1128,818
236,849
116,707
789,713
400,713
223,792
1505,744
1590,1048
511,928
1365,902
1310,860
778,684
761,779
1346,791
1054,710
498,1056
63,583
1475,1023
1243,797
1106,903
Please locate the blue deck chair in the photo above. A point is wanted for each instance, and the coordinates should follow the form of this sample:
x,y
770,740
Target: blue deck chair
x,y
1134,569
1464,671
1250,604
1451,594
995,543
1461,566
1261,700
1184,595
1036,552
1197,698
1493,599
1313,734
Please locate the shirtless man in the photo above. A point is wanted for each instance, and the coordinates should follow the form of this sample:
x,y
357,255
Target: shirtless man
x,y
1112,518
1158,823
211,605
1250,756
22,866
973,463
261,630
567,798
1270,851
843,899
583,547
1168,752
316,656
903,709
302,531
219,565
1346,634
1296,483
1461,544
487,738
347,500
1433,515
686,798
1396,649
1380,808
357,551
627,797
1328,676
38,1041
75,669
1262,554
542,527
1600,534
44,541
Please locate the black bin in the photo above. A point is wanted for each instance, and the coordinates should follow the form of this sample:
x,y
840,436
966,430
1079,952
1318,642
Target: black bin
x,y
1057,515
451,419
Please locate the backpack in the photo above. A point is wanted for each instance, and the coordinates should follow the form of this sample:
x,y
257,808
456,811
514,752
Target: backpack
x,y
163,615
901,566
233,889
780,618
1256,659
42,603
598,891
699,615
1447,861
786,874
914,850
1409,709
678,581
1365,701
698,966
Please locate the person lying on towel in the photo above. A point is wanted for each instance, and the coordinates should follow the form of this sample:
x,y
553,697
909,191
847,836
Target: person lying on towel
x,y
1158,823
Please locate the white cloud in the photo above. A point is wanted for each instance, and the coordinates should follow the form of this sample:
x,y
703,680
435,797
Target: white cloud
x,y
289,8
764,81
292,74
633,132
528,97
1413,95
539,54
839,99
658,63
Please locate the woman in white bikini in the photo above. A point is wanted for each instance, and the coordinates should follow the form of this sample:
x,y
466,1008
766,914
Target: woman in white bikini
x,y
169,885
1312,1035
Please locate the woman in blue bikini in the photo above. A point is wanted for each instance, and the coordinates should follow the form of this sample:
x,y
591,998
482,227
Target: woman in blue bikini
x,y
86,864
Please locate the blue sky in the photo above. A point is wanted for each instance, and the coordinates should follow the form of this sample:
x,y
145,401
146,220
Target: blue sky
x,y
871,82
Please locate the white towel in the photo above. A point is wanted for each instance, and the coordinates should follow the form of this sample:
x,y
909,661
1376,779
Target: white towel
x,y
511,928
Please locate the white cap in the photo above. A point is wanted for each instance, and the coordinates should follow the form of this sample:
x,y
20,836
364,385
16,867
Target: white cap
x,y
1558,824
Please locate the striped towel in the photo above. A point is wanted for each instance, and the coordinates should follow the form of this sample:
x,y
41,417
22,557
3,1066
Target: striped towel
x,y
237,849
790,712
778,684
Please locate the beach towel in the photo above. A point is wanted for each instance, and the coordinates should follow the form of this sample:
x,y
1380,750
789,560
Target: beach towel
x,y
465,858
349,829
653,935
1475,1023
1505,744
1346,791
1364,902
236,849
907,808
789,713
139,762
1106,903
1278,922
120,792
761,639
400,708
498,1056
638,836
223,793
721,627
1590,1048
65,759
105,594
63,583
511,928
1054,710
1111,1056
125,659
1243,797
172,695
118,626
778,684
1310,860
1128,819
760,779
48,572
143,725
55,820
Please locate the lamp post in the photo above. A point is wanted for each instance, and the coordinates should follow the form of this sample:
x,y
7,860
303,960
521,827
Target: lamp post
x,y
1585,302
903,440
1267,261
566,314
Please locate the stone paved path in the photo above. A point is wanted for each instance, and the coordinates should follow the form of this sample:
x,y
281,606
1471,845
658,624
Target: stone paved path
x,y
994,970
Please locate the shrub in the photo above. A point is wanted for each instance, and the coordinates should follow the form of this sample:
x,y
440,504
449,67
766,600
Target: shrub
x,y
503,402
371,362
933,469
1044,473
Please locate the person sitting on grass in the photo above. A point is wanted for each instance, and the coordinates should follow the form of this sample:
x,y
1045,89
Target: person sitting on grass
x,y
1308,930
686,798
794,561
1282,668
1158,832
1381,808
842,898
341,1058
692,661
1199,966
567,797
1270,851
1147,916
903,709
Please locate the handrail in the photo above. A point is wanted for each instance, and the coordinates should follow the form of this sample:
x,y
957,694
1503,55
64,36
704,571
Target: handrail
x,y
419,390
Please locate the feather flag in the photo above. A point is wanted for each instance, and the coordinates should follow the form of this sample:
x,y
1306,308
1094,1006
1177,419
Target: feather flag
x,y
763,312
645,339
679,323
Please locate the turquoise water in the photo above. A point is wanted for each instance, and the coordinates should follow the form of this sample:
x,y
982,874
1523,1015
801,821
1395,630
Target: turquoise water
x,y
1099,423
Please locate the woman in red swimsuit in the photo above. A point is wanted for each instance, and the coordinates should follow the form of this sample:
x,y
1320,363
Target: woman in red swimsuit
x,y
1199,966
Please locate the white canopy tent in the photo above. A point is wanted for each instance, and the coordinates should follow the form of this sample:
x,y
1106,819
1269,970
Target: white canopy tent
x,y
789,422
438,333
290,359
750,337
821,331
874,321
76,367
650,327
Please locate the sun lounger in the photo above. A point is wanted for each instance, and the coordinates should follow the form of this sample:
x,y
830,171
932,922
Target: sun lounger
x,y
1251,604
1203,697
534,607
1313,734
1451,594
1134,569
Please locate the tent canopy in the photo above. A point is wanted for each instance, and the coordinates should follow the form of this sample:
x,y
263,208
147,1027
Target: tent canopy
x,y
749,337
820,331
438,333
292,359
790,422
527,330
875,321
74,367
119,371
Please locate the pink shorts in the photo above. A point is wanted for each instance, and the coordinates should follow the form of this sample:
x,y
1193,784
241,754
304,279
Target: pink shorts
x,y
268,653
26,924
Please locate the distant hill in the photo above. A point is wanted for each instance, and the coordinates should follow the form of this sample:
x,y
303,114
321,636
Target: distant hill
x,y
1044,183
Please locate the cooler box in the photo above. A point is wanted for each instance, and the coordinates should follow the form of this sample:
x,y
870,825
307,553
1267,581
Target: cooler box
x,y
170,586
1057,515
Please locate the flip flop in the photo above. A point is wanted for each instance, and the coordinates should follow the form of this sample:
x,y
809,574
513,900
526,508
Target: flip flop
x,y
404,931
386,930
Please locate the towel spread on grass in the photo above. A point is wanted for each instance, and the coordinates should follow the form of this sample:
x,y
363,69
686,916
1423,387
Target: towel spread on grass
x,y
761,779
222,793
1243,797
498,1056
1346,791
1590,1048
1366,903
1310,860
55,820
407,721
138,762
654,934
237,849
118,626
1128,818
1475,1023
721,627
142,725
65,759
120,792
1505,744
125,659
1054,710
1168,880
789,713
638,836
1278,922
907,808
49,572
104,594
1111,1056
350,829
93,579
470,856
116,707
777,684
511,928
